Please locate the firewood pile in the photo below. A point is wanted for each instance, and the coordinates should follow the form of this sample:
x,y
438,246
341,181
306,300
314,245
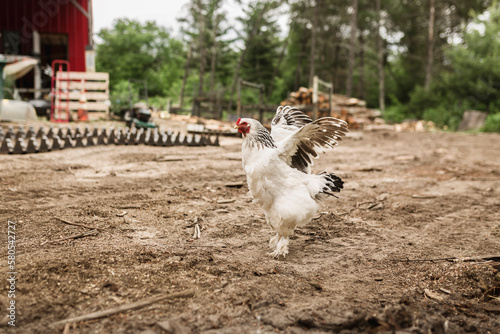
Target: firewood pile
x,y
351,110
201,125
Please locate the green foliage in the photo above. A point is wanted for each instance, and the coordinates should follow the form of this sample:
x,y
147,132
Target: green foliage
x,y
470,82
280,92
158,102
396,112
133,50
420,100
492,123
205,29
249,96
466,75
120,96
409,24
331,19
475,74
444,116
262,50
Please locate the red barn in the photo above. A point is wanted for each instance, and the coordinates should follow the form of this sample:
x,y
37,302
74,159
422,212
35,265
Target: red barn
x,y
48,30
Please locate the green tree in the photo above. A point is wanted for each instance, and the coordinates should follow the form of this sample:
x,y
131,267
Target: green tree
x,y
409,27
475,74
142,51
472,79
256,19
262,51
204,28
319,43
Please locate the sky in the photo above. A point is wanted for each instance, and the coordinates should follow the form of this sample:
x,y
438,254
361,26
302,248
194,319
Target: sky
x,y
164,12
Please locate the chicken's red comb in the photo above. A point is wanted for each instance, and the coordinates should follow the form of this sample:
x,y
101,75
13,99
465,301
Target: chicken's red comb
x,y
238,121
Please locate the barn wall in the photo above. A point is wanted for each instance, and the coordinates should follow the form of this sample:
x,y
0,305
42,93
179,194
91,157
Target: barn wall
x,y
46,16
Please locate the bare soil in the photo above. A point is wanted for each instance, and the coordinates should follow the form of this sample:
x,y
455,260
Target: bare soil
x,y
354,269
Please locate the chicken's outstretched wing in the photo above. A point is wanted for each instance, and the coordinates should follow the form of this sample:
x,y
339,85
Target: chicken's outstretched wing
x,y
286,121
302,145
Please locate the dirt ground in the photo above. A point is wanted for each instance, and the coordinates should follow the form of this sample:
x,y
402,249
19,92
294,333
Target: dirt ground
x,y
361,266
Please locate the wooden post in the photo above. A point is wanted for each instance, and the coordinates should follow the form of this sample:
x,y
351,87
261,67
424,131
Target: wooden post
x,y
261,102
37,84
380,55
261,89
169,105
315,98
2,65
316,82
186,72
218,102
352,51
430,46
238,106
330,101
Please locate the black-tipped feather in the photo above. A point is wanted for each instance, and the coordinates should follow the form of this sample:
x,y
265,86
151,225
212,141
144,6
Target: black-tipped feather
x,y
334,184
326,133
290,116
307,138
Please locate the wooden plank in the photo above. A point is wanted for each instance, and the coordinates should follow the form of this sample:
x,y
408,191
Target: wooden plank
x,y
87,85
75,95
33,90
324,83
87,105
251,84
97,76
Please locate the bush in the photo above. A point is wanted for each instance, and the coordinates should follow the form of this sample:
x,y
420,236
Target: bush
x,y
159,102
422,100
443,115
396,112
120,96
492,123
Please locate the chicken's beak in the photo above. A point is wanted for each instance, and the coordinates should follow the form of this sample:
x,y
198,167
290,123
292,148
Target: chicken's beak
x,y
236,126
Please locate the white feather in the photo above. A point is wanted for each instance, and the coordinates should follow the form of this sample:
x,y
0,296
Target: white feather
x,y
287,195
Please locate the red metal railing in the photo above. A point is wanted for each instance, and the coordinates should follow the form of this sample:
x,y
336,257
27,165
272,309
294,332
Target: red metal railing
x,y
59,111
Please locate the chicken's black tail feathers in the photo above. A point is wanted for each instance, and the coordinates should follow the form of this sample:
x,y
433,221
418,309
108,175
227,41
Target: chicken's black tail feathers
x,y
333,184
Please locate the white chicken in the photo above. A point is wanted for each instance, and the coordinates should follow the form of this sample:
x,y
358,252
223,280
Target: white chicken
x,y
278,168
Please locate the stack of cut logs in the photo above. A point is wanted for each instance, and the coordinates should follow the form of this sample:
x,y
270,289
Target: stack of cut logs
x,y
350,109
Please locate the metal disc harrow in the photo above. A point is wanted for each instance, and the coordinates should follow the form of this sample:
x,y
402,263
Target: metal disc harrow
x,y
59,138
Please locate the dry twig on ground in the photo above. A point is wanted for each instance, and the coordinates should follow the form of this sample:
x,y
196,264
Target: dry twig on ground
x,y
76,236
76,224
126,307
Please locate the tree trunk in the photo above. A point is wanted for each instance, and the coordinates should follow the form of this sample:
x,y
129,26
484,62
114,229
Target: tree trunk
x,y
298,73
352,45
361,81
214,58
430,46
313,44
380,51
186,73
277,67
335,79
236,76
201,49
